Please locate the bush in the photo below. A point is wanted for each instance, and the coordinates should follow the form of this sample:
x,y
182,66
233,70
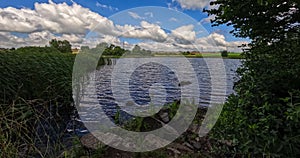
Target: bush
x,y
224,53
263,117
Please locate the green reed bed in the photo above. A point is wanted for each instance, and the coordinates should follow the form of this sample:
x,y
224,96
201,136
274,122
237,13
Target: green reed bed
x,y
35,85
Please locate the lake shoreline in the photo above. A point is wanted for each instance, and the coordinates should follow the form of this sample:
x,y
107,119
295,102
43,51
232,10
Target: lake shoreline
x,y
230,56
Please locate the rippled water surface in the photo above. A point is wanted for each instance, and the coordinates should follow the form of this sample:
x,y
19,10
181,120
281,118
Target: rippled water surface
x,y
155,84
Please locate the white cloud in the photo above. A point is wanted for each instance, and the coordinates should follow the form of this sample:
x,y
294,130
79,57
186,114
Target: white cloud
x,y
73,38
9,40
146,31
217,42
106,6
57,18
40,37
12,19
135,15
173,19
158,46
149,14
193,4
184,34
212,43
208,19
71,22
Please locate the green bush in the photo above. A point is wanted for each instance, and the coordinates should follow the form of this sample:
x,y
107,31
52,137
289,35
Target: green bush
x,y
224,53
263,117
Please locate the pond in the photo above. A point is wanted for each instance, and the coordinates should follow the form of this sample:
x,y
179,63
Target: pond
x,y
119,87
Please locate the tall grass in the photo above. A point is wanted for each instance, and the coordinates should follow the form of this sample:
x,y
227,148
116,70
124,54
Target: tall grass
x,y
36,75
35,99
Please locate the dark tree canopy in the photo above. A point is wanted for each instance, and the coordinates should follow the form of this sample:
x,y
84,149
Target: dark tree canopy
x,y
262,118
136,49
258,19
62,46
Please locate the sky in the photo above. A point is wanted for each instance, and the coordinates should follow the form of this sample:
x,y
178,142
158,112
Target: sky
x,y
158,25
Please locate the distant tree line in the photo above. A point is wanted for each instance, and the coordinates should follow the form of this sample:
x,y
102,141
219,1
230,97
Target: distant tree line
x,y
64,46
105,49
113,50
137,50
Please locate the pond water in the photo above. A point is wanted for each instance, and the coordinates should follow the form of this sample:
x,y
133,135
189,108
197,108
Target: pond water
x,y
119,87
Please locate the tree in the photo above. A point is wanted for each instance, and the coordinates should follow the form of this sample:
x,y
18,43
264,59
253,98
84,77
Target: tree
x,y
267,20
262,117
63,46
102,45
118,51
34,49
136,49
84,48
224,53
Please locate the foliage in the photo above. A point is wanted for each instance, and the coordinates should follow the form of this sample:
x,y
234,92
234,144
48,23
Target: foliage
x,y
27,129
34,75
137,50
235,56
62,46
104,49
32,49
113,50
33,80
161,153
224,53
266,20
143,124
84,48
262,118
36,100
186,53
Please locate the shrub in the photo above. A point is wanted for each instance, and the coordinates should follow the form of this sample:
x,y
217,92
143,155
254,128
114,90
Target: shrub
x,y
224,53
263,116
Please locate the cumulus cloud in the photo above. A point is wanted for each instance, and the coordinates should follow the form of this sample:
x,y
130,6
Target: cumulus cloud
x,y
184,34
211,43
18,20
9,40
146,31
217,42
57,18
71,22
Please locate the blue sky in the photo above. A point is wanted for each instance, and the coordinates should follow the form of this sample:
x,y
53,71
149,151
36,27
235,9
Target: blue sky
x,y
20,21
